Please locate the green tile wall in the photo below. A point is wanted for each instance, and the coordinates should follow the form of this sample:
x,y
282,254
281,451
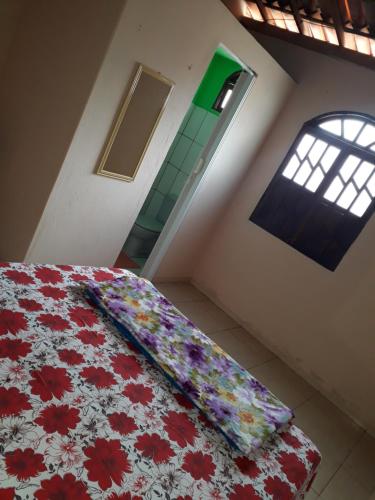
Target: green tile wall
x,y
167,179
191,158
182,156
195,121
206,129
180,151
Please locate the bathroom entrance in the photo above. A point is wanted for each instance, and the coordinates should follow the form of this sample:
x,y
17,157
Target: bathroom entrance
x,y
218,97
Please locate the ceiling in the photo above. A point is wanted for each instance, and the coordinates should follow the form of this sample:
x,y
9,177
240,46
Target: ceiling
x,y
340,28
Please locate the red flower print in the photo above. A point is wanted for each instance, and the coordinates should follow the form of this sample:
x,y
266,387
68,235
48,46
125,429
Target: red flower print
x,y
4,264
124,496
54,322
7,493
152,446
19,277
71,357
247,467
24,463
313,457
52,292
180,428
127,366
98,377
83,316
62,488
65,267
121,423
12,402
14,349
183,401
107,462
278,489
50,382
246,492
78,277
58,419
103,276
91,337
30,305
138,393
205,420
132,347
48,275
11,322
198,465
293,468
291,440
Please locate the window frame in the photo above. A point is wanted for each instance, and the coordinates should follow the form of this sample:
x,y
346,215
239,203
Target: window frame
x,y
325,242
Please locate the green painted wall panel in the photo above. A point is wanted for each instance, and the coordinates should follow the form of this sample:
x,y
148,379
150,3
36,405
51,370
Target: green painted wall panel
x,y
221,66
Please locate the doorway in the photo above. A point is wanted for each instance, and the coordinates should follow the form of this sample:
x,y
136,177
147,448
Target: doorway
x,y
218,98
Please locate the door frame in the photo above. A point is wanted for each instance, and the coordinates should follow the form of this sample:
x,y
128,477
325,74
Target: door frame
x,y
202,165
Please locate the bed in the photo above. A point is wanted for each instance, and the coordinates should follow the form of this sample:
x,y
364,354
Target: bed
x,y
84,415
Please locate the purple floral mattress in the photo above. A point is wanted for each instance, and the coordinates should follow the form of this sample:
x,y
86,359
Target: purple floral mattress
x,y
243,409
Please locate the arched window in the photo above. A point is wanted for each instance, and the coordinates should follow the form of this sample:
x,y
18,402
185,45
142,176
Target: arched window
x,y
323,194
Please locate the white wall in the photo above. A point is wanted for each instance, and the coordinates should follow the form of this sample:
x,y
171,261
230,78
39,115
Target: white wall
x,y
321,323
54,50
88,217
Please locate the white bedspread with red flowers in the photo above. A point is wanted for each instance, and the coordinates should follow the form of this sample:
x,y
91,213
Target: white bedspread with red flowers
x,y
85,416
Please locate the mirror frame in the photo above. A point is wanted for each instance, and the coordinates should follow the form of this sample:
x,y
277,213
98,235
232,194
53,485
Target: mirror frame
x,y
115,127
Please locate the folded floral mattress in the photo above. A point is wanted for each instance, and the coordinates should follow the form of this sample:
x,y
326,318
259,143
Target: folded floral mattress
x,y
84,415
243,409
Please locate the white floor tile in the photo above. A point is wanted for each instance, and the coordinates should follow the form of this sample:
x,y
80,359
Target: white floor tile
x,y
242,347
327,469
332,431
343,487
361,462
206,316
283,382
180,292
311,495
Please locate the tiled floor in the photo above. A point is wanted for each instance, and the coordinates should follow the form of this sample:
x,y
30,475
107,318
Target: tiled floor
x,y
347,471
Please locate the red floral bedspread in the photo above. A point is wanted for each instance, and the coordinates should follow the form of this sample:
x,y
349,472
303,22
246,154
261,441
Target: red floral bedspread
x,y
83,415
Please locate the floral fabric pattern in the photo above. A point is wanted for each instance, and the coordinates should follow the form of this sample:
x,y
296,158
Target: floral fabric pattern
x,y
233,400
83,414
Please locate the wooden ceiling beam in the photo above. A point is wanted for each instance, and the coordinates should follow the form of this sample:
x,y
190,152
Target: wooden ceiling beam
x,y
297,16
262,10
357,14
337,21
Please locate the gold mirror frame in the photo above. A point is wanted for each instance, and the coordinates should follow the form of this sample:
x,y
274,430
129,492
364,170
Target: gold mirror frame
x,y
120,120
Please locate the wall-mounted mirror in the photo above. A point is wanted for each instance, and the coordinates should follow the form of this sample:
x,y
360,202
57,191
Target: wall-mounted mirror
x,y
135,124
